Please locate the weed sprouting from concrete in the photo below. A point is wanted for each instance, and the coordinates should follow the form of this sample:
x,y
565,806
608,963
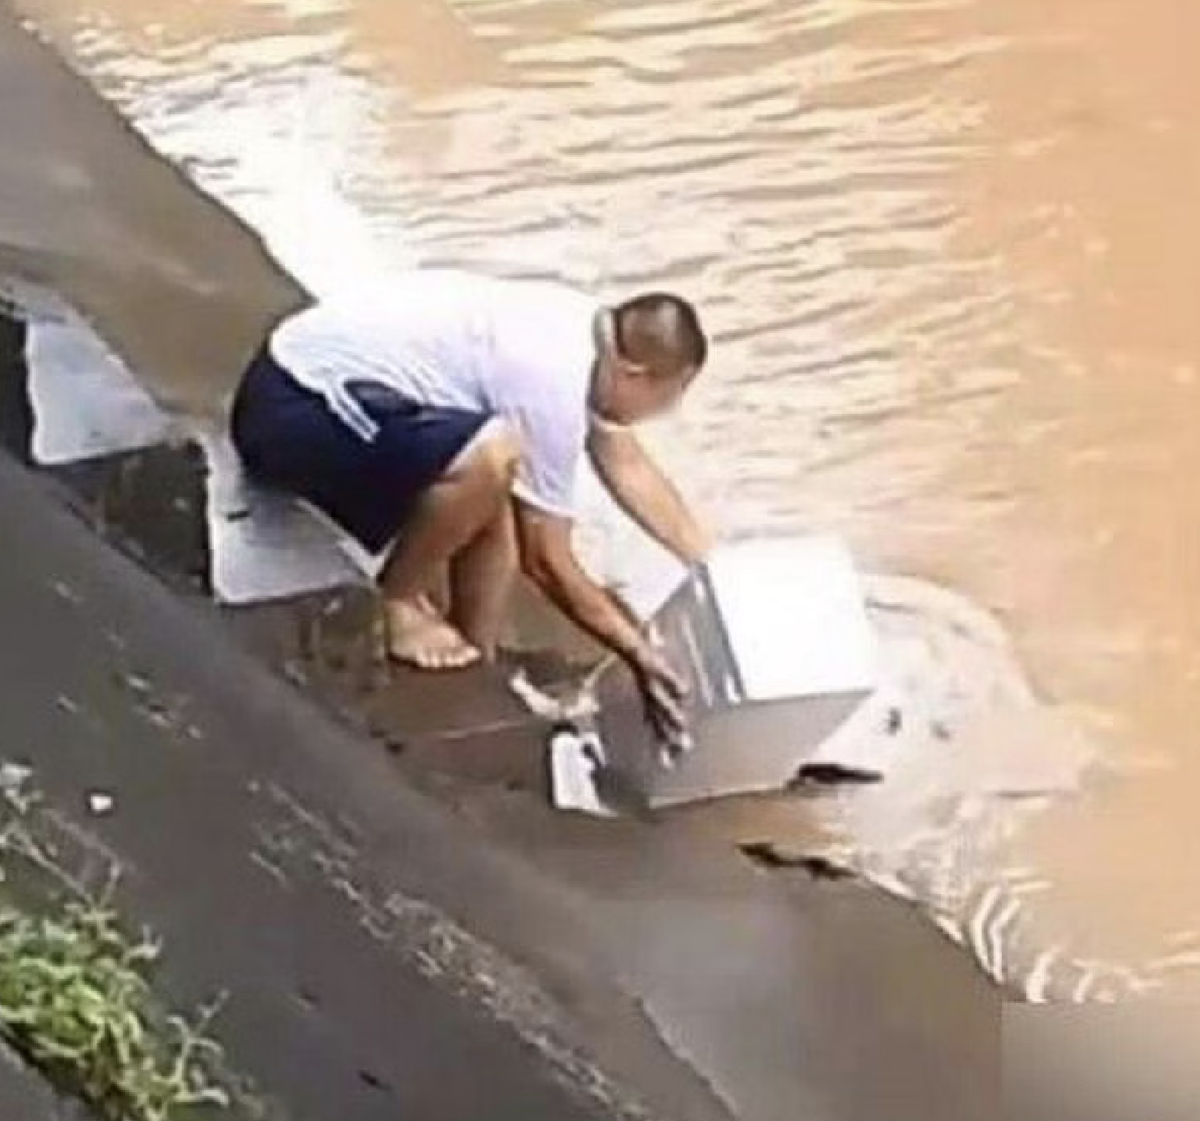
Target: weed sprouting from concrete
x,y
75,998
73,1001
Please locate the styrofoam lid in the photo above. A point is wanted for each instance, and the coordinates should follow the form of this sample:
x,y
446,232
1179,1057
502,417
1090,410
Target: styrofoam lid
x,y
796,616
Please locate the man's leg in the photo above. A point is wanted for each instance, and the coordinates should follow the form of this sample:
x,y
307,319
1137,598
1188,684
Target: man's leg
x,y
481,580
459,508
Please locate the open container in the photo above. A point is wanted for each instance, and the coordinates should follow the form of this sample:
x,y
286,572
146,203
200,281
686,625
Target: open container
x,y
773,639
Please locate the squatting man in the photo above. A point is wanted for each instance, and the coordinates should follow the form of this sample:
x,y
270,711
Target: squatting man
x,y
440,419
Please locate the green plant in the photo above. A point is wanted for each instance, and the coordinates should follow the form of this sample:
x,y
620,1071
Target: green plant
x,y
75,1001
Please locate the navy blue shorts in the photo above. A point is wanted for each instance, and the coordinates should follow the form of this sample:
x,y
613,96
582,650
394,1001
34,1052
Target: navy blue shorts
x,y
290,439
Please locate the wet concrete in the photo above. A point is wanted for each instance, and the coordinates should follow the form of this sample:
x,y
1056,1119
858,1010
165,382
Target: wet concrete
x,y
290,865
777,989
283,864
795,996
16,407
150,504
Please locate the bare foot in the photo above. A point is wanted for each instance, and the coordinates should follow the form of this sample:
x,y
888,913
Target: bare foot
x,y
420,637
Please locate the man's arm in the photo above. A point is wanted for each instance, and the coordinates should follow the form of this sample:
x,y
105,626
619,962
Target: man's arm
x,y
548,559
645,494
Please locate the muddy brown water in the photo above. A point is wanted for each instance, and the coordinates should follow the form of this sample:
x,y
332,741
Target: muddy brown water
x,y
946,248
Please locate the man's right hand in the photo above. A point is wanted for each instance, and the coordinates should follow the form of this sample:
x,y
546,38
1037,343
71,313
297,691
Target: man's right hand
x,y
663,693
549,561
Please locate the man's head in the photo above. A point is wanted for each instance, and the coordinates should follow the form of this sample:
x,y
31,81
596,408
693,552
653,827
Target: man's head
x,y
649,349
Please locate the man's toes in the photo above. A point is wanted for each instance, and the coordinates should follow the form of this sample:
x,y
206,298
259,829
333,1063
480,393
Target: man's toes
x,y
425,659
456,657
448,655
441,657
422,657
432,645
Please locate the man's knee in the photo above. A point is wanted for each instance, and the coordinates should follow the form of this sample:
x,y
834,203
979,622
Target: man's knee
x,y
495,454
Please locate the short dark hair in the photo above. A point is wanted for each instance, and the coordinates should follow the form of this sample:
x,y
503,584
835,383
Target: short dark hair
x,y
660,328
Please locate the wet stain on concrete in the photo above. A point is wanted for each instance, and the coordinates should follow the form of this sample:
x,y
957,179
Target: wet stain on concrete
x,y
152,503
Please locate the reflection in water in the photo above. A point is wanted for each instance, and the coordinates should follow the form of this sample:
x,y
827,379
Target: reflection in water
x,y
946,247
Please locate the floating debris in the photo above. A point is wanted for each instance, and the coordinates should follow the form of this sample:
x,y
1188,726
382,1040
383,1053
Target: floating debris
x,y
771,856
100,803
832,774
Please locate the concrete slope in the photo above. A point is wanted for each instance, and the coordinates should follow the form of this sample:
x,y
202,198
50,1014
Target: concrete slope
x,y
701,983
386,958
284,864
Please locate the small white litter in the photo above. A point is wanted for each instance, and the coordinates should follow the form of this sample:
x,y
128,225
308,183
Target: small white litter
x,y
13,776
574,766
100,804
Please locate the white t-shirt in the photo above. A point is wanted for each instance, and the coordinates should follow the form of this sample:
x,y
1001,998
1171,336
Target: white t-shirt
x,y
521,350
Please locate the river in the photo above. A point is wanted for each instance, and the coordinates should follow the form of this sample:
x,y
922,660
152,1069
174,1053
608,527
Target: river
x,y
946,249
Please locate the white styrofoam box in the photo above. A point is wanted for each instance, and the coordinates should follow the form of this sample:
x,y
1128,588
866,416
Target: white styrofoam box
x,y
795,615
265,545
86,403
774,642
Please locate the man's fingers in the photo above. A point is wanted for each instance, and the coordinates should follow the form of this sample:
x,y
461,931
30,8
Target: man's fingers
x,y
665,708
668,682
675,686
663,693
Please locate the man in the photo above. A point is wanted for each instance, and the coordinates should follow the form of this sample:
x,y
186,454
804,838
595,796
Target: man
x,y
442,416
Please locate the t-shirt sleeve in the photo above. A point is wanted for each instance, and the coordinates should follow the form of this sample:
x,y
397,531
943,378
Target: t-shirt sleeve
x,y
552,443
